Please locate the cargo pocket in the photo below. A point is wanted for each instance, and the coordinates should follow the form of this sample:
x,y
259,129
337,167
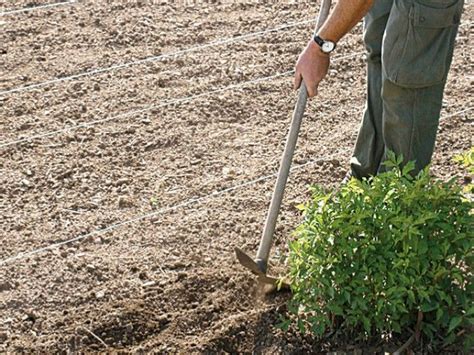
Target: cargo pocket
x,y
418,43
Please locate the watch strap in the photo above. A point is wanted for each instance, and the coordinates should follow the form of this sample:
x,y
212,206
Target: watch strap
x,y
321,43
318,40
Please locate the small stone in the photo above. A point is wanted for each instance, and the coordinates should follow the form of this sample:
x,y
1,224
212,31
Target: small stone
x,y
124,201
163,318
155,219
182,275
200,38
77,86
28,172
29,316
176,265
149,284
99,294
5,286
122,181
26,182
98,240
59,280
90,268
228,172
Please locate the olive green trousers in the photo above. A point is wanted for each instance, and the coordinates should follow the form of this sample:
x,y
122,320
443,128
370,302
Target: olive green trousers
x,y
410,47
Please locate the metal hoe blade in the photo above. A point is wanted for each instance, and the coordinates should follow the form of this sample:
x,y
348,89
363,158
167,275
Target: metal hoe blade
x,y
259,265
256,268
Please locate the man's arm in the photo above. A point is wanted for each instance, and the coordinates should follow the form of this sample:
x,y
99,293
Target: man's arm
x,y
313,64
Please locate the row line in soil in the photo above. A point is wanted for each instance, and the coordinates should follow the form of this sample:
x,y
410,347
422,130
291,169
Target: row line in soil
x,y
183,204
160,57
169,209
210,185
190,190
175,54
89,37
153,107
190,166
35,8
70,114
218,42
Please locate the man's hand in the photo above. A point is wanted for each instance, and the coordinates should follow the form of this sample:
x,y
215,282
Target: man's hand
x,y
313,64
312,67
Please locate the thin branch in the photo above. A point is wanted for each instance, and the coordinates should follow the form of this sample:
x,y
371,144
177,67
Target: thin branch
x,y
405,346
95,336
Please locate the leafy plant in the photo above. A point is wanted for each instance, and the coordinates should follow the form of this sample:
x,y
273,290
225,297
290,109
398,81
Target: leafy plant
x,y
385,255
467,161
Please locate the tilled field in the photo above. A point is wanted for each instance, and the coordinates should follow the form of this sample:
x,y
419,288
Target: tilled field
x,y
154,171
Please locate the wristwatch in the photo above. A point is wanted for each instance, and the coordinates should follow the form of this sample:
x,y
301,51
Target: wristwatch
x,y
326,46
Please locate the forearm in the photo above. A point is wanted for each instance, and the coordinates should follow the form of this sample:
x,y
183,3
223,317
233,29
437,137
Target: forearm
x,y
346,14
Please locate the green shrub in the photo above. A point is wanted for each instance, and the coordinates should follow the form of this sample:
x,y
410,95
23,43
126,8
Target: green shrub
x,y
376,255
467,161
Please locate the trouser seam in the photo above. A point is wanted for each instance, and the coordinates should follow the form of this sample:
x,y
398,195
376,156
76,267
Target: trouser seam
x,y
412,134
405,46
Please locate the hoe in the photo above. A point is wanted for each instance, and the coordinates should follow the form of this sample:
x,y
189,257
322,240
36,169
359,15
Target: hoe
x,y
259,265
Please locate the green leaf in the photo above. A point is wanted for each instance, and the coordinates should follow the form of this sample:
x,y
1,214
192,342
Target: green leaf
x,y
408,168
449,339
439,313
400,159
455,322
284,323
301,207
396,327
470,311
336,309
422,246
366,323
428,307
301,326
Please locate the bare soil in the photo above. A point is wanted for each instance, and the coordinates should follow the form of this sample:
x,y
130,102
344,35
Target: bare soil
x,y
169,282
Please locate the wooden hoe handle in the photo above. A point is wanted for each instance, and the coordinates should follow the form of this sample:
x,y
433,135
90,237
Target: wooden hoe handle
x,y
269,229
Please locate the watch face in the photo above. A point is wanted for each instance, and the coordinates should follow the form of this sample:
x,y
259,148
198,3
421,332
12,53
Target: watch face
x,y
328,46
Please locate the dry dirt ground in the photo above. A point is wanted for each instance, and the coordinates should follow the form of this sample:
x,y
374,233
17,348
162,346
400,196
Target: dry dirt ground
x,y
200,170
